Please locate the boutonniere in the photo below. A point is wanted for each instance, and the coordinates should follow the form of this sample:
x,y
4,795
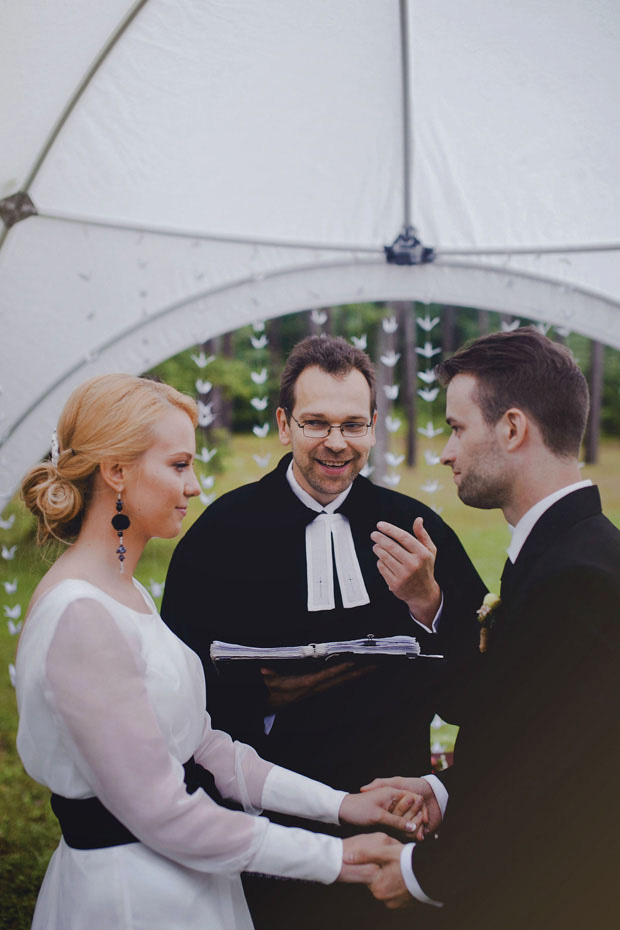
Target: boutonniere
x,y
486,618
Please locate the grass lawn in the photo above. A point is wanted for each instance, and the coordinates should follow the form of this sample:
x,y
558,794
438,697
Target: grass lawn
x,y
28,830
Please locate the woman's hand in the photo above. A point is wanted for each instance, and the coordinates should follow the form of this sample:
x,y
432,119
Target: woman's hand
x,y
417,786
387,806
358,853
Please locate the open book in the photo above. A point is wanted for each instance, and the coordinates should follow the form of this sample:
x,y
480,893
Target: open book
x,y
405,646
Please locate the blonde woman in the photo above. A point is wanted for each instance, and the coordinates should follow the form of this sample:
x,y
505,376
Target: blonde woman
x,y
112,704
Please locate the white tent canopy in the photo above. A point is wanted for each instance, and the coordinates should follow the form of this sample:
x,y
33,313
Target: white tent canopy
x,y
196,165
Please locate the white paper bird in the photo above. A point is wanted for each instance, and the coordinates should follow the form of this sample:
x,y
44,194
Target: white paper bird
x,y
259,403
205,414
428,394
207,481
318,317
436,722
8,523
425,322
394,460
13,612
206,454
427,376
390,324
12,673
543,328
367,470
391,480
391,391
202,360
156,588
261,431
563,331
430,457
509,327
259,342
392,424
258,326
427,350
7,553
390,358
15,628
437,747
262,460
429,431
430,487
259,377
203,387
207,499
10,586
360,342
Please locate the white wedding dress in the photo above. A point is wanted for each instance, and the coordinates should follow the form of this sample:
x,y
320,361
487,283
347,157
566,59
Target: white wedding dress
x,y
111,705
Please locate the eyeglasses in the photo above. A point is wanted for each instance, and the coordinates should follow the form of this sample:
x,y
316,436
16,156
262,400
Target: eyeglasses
x,y
320,429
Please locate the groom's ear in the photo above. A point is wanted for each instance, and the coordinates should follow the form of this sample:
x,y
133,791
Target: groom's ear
x,y
514,427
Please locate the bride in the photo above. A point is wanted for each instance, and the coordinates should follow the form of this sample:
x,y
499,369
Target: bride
x,y
112,704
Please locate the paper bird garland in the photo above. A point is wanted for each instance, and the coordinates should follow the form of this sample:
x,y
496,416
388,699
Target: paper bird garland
x,y
202,360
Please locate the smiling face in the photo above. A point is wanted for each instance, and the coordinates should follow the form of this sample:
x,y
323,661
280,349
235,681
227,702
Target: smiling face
x,y
160,482
326,467
474,452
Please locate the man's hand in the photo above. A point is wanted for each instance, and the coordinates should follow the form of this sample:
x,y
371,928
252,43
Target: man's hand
x,y
387,884
388,807
358,856
288,689
407,563
418,786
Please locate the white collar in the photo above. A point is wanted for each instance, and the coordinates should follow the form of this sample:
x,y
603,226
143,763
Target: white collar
x,y
524,527
308,500
327,529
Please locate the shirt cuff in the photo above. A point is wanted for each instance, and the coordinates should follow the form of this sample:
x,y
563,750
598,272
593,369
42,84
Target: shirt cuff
x,y
290,793
440,792
294,853
413,886
434,627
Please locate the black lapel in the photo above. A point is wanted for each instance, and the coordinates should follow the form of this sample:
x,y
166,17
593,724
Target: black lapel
x,y
558,519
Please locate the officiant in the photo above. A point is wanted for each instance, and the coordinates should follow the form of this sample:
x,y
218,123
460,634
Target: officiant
x,y
314,552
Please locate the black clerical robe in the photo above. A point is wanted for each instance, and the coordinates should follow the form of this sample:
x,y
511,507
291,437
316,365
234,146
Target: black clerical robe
x,y
239,574
531,835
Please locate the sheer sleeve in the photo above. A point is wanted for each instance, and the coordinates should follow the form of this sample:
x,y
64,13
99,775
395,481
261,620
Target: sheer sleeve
x,y
95,684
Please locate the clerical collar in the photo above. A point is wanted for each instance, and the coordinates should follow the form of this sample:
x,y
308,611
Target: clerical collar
x,y
308,500
329,527
526,524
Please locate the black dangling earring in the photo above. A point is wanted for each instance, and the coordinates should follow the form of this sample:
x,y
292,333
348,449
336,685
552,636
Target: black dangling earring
x,y
120,522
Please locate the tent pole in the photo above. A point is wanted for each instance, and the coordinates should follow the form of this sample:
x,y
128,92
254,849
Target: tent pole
x,y
406,104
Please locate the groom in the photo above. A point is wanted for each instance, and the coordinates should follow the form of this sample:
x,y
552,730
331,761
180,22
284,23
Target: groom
x,y
531,813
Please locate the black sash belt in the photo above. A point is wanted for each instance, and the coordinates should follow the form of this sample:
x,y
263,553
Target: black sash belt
x,y
87,824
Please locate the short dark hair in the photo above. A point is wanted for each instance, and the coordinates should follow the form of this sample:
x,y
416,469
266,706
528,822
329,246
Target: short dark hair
x,y
331,354
525,369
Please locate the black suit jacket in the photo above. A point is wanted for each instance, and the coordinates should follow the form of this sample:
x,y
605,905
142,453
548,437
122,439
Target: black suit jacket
x,y
239,574
531,835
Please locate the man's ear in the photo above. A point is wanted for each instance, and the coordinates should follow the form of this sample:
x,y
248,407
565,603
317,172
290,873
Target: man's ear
x,y
373,420
112,474
514,428
284,430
